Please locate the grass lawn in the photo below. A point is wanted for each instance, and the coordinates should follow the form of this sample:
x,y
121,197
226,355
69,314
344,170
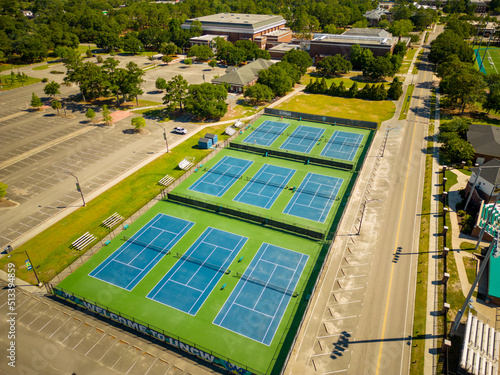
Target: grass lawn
x,y
355,109
406,103
41,67
469,247
470,267
348,80
6,85
420,314
199,328
50,251
241,110
407,60
452,179
417,63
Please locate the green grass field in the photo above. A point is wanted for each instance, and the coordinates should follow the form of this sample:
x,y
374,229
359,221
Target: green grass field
x,y
276,211
355,109
198,329
491,63
6,83
319,146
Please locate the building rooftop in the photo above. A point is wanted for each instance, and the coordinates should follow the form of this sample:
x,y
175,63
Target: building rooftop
x,y
365,32
375,14
206,37
491,175
485,139
284,47
278,32
236,21
244,75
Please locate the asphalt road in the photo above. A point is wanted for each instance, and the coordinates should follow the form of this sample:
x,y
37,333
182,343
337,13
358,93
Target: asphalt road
x,y
361,316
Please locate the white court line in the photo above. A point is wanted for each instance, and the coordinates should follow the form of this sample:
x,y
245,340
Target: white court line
x,y
249,308
126,264
191,287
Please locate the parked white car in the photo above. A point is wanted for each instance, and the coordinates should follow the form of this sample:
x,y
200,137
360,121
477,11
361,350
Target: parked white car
x,y
180,130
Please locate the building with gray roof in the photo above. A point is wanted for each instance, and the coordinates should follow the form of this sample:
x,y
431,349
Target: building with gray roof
x,y
486,142
238,78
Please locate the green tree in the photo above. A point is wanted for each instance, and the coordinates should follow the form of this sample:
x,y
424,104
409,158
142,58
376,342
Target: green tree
x,y
353,91
167,59
206,100
396,89
176,93
106,114
465,86
462,28
299,58
168,49
52,89
161,83
492,101
457,126
456,150
3,190
202,53
401,27
212,64
360,57
56,104
88,53
90,114
188,62
277,79
379,67
138,123
449,43
22,77
131,44
258,93
35,101
333,65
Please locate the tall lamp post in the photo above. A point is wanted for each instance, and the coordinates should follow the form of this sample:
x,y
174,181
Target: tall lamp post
x,y
164,135
29,265
78,187
363,213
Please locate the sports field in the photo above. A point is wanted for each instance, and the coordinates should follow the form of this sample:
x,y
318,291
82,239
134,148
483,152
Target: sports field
x,y
491,63
342,143
224,286
287,190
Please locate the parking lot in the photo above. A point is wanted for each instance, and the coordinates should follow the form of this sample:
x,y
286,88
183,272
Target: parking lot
x,y
38,147
52,338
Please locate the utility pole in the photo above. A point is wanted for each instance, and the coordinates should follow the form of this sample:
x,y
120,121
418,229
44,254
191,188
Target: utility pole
x,y
78,187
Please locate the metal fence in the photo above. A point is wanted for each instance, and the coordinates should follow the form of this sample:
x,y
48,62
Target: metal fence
x,y
81,301
292,155
318,118
247,215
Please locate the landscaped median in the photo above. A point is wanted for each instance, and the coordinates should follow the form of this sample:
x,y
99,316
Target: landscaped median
x,y
50,251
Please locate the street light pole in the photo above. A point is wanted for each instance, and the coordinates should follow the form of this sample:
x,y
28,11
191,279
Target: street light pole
x,y
30,265
363,213
164,135
78,187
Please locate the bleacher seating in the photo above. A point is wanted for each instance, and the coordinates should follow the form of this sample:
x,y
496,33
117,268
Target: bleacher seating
x,y
167,180
186,163
83,241
230,130
112,220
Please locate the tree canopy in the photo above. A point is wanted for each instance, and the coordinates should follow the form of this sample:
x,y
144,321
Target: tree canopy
x,y
449,43
207,100
333,65
299,58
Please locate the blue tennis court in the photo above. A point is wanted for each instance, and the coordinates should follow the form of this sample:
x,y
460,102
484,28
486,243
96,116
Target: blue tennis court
x,y
303,139
314,197
257,304
342,145
221,176
266,133
192,278
128,265
265,187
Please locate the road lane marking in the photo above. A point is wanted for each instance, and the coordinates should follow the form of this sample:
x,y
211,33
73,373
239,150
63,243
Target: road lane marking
x,y
397,242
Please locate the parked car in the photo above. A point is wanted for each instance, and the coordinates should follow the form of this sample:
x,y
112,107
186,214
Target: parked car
x,y
180,130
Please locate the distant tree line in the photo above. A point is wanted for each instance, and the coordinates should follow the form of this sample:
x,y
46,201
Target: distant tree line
x,y
369,91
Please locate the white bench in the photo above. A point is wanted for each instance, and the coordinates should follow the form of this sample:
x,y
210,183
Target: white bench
x,y
239,124
186,163
167,180
83,241
112,220
230,130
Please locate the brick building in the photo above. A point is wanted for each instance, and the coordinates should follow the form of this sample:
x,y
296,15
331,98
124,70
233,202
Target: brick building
x,y
259,28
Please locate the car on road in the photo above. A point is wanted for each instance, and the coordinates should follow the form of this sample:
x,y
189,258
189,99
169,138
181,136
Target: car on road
x,y
179,130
